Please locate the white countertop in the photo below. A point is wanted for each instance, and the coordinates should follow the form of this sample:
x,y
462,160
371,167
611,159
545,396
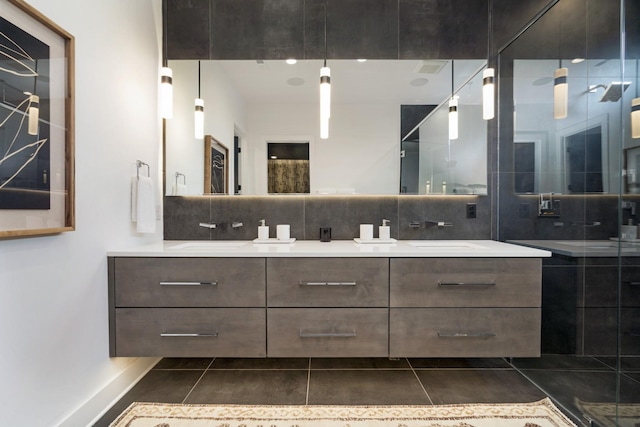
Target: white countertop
x,y
335,248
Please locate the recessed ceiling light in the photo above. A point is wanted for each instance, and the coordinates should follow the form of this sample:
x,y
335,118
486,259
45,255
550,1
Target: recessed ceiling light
x,y
420,81
295,81
291,61
361,60
577,60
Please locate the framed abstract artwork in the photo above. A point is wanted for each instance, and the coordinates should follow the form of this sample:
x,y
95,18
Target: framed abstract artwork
x,y
216,166
36,123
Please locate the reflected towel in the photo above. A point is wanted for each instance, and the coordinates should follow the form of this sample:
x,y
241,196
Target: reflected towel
x,y
143,207
179,190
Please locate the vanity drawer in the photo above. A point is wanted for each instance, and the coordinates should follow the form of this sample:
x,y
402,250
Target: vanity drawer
x,y
327,332
327,282
190,332
465,282
470,332
189,282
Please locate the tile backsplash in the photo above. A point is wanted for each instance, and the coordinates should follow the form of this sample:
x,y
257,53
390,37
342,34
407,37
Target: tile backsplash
x,y
343,214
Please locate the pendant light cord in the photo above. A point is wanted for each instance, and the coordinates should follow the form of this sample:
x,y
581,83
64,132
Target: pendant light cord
x,y
198,79
489,33
165,60
325,33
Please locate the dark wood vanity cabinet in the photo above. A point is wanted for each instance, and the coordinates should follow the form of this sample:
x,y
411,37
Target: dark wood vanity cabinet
x,y
324,307
187,307
465,307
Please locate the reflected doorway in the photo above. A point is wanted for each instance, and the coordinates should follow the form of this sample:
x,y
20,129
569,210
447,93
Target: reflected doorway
x,y
288,167
584,161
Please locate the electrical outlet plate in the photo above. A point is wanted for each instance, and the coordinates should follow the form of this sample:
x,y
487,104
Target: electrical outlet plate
x,y
471,210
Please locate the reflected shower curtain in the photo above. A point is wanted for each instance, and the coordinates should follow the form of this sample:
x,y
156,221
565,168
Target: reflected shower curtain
x,y
288,176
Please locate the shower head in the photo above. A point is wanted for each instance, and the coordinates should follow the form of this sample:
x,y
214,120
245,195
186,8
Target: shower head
x,y
613,92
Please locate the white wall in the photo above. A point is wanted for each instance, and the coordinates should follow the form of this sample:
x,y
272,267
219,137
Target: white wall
x,y
54,360
362,151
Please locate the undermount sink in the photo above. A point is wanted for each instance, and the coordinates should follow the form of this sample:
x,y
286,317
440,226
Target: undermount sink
x,y
207,246
444,245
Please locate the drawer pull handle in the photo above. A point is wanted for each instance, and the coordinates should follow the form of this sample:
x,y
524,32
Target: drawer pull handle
x,y
448,284
188,283
166,334
303,283
632,283
466,334
305,334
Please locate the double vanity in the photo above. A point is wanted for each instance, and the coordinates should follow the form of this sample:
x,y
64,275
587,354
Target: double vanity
x,y
424,298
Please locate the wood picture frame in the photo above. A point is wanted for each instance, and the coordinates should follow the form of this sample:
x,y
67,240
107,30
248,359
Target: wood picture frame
x,y
37,171
216,166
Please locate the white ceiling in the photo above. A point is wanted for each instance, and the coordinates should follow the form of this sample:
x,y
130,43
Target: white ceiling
x,y
373,81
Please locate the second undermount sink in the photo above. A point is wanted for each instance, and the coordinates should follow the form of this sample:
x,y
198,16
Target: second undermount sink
x,y
444,245
207,246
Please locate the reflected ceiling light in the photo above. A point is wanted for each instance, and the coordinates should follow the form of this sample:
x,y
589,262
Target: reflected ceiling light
x,y
453,110
488,107
635,118
635,108
453,117
34,114
198,114
560,93
291,61
361,60
488,75
325,87
34,106
166,78
577,60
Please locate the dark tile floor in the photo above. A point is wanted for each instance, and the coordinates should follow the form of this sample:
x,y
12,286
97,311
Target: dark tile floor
x,y
382,382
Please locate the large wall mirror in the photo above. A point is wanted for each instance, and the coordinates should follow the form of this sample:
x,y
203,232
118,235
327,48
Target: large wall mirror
x,y
252,106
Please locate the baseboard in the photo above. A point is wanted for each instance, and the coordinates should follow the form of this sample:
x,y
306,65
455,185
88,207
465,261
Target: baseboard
x,y
97,405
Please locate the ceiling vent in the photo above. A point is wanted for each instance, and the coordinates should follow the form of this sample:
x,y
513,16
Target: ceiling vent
x,y
430,67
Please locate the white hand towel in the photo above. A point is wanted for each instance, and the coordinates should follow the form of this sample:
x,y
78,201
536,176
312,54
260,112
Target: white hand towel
x,y
179,189
134,199
145,206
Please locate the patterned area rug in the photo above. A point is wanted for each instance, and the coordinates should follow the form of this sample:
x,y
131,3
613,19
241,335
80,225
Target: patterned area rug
x,y
536,414
608,414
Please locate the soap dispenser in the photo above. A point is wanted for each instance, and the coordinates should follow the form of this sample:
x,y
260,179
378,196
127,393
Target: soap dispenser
x,y
263,230
384,231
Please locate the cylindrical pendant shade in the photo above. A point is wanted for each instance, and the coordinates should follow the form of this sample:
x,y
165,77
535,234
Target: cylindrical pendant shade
x,y
453,118
324,128
635,118
325,101
34,114
166,93
488,107
198,116
560,93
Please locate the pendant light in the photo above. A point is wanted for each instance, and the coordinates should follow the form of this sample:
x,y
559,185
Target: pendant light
x,y
34,106
560,92
198,114
453,110
635,110
325,87
488,75
166,76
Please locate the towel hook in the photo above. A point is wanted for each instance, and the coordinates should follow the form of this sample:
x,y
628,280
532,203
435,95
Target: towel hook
x,y
139,164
